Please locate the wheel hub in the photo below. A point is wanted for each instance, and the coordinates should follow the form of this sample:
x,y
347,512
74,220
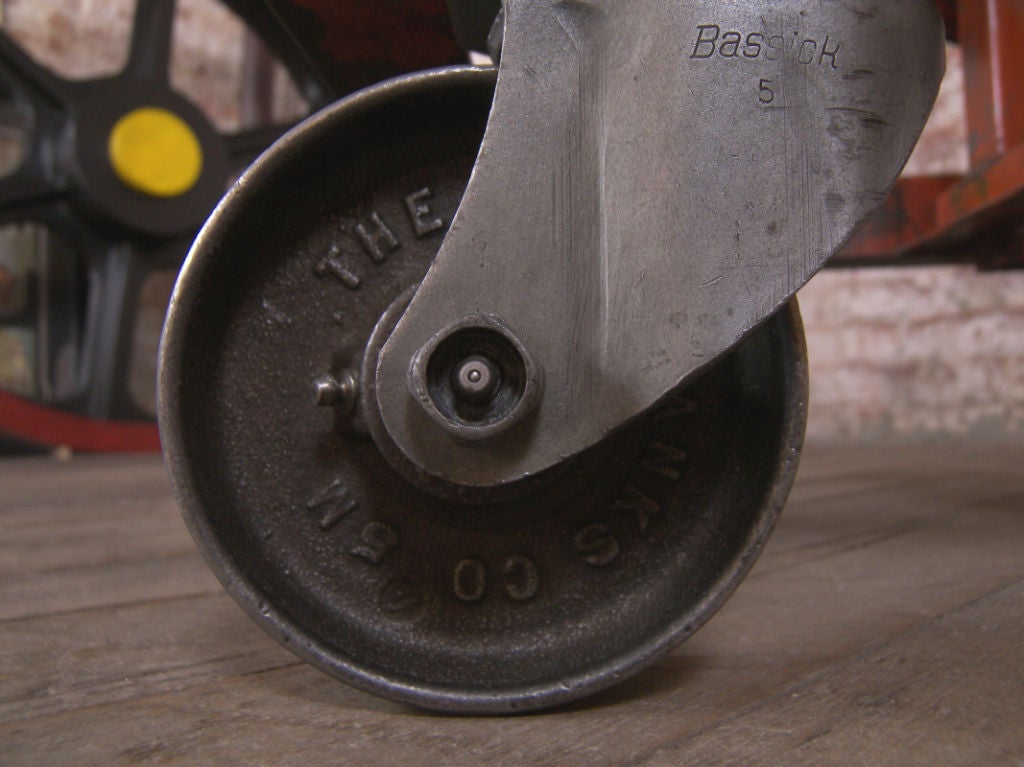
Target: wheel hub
x,y
155,152
162,166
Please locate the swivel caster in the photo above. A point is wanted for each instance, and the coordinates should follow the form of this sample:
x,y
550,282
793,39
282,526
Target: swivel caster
x,y
490,432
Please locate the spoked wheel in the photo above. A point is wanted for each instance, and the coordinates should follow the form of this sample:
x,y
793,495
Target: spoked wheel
x,y
474,602
116,176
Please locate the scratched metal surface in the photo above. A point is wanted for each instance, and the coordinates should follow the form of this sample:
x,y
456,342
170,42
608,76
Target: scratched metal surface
x,y
654,183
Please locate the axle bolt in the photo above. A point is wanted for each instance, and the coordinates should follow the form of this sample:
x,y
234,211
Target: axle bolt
x,y
476,379
342,391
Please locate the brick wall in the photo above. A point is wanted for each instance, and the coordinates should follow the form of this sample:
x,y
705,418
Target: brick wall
x,y
897,354
913,353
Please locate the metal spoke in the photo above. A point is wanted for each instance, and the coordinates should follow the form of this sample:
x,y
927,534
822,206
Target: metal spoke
x,y
152,34
35,110
25,188
117,271
22,73
110,315
35,209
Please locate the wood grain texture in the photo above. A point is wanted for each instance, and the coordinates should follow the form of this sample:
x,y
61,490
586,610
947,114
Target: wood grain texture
x,y
883,625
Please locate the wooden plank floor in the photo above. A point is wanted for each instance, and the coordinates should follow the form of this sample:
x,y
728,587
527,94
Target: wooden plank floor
x,y
884,625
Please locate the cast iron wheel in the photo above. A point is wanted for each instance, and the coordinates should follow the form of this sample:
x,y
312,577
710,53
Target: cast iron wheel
x,y
595,570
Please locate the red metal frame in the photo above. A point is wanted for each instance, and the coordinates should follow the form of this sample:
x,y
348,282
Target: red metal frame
x,y
355,43
30,423
977,217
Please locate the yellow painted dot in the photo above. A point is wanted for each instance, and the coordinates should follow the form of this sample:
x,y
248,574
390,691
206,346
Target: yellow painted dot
x,y
155,152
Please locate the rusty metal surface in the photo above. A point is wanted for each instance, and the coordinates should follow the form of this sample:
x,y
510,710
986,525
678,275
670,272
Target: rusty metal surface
x,y
908,216
990,33
976,217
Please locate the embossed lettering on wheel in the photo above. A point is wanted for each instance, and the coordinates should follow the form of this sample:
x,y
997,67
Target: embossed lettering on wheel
x,y
584,576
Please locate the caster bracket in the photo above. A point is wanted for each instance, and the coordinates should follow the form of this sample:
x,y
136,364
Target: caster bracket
x,y
655,181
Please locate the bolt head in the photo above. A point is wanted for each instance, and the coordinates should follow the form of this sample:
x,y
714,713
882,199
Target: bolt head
x,y
329,391
476,379
326,391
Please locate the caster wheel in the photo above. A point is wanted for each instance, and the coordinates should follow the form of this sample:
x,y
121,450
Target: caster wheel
x,y
448,600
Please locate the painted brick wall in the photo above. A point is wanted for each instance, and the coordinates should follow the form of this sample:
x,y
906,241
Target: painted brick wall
x,y
895,354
